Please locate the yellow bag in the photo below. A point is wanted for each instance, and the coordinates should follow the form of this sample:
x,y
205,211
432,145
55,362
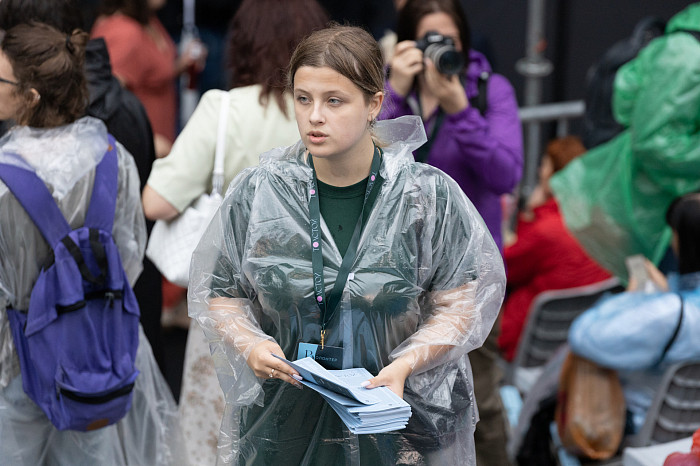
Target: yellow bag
x,y
590,412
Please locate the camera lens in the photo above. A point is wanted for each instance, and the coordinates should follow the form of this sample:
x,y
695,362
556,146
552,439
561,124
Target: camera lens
x,y
446,58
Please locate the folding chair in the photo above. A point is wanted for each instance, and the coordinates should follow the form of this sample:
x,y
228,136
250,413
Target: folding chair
x,y
675,411
673,415
547,328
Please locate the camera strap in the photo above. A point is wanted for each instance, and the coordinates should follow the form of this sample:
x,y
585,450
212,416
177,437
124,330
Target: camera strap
x,y
421,154
479,102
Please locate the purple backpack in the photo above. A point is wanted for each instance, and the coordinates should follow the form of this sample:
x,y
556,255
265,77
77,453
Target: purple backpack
x,y
77,341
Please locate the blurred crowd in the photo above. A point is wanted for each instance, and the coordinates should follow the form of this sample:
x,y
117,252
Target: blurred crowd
x,y
624,208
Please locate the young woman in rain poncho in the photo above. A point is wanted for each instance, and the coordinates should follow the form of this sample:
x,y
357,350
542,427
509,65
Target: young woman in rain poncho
x,y
43,89
424,278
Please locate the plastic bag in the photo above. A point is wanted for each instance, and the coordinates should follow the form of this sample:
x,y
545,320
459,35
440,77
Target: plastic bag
x,y
590,412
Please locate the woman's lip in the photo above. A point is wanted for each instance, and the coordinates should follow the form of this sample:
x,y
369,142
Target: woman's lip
x,y
317,138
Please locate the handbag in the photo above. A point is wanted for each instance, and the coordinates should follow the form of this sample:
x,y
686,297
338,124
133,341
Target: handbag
x,y
590,412
172,242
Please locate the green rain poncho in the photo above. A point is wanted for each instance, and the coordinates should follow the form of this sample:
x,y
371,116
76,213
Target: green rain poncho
x,y
427,275
614,197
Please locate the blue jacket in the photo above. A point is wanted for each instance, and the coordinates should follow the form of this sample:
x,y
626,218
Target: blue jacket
x,y
629,331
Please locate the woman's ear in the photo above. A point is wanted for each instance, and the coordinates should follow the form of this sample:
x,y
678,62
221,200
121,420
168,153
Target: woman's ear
x,y
375,105
36,97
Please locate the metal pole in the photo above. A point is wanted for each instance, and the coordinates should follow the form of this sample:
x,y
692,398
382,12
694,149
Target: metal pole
x,y
535,67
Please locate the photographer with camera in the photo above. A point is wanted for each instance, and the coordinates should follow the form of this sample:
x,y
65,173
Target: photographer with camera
x,y
474,135
470,114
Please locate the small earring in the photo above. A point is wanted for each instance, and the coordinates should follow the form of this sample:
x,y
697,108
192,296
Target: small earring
x,y
372,122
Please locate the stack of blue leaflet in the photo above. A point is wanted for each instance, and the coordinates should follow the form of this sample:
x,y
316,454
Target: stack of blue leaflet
x,y
364,411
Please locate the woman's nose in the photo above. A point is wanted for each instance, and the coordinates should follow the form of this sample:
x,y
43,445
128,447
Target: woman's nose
x,y
316,116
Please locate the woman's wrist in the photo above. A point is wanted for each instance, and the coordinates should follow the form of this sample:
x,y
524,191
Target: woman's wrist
x,y
404,366
401,87
455,103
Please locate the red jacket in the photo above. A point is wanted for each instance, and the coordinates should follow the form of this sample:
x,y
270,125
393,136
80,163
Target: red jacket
x,y
146,66
544,257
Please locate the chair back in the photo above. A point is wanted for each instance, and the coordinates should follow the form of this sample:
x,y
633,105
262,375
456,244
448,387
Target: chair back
x,y
549,319
675,411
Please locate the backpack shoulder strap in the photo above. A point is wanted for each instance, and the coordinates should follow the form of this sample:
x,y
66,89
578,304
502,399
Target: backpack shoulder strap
x,y
674,335
480,100
36,199
100,213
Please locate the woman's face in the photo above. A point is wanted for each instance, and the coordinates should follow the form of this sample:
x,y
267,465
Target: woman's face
x,y
442,23
332,113
10,101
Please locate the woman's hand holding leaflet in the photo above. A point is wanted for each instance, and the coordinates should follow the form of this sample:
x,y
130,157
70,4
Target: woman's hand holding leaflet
x,y
265,365
239,330
393,376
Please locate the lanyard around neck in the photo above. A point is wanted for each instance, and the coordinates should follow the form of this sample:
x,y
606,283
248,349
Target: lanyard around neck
x,y
329,306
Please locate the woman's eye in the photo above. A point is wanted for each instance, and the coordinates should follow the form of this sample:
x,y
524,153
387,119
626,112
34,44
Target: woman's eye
x,y
334,101
302,99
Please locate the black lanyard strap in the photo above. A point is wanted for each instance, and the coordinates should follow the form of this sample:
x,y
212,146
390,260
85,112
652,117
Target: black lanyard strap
x,y
328,307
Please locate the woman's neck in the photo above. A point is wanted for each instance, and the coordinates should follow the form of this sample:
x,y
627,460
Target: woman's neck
x,y
348,168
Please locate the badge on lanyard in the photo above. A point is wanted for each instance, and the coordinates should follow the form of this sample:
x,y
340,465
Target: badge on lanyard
x,y
330,357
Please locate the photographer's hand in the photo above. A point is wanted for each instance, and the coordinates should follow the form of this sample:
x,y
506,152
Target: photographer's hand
x,y
405,65
447,89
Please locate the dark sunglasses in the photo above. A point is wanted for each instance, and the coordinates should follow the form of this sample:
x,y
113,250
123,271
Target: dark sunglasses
x,y
3,80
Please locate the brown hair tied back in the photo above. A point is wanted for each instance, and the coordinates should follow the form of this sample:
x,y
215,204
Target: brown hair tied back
x,y
48,63
350,51
69,45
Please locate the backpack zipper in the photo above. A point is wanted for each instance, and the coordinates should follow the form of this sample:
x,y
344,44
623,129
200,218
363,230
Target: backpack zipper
x,y
94,400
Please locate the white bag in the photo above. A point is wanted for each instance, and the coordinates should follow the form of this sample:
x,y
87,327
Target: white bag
x,y
172,242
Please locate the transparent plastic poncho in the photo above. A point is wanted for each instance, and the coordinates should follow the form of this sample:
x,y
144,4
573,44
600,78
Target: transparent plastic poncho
x,y
65,159
427,282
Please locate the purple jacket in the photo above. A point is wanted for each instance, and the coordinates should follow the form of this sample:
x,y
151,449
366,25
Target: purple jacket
x,y
484,154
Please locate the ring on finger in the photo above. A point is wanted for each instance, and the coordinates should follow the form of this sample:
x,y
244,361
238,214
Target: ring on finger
x,y
272,373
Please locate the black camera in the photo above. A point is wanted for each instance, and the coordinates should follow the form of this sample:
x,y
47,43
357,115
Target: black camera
x,y
442,51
